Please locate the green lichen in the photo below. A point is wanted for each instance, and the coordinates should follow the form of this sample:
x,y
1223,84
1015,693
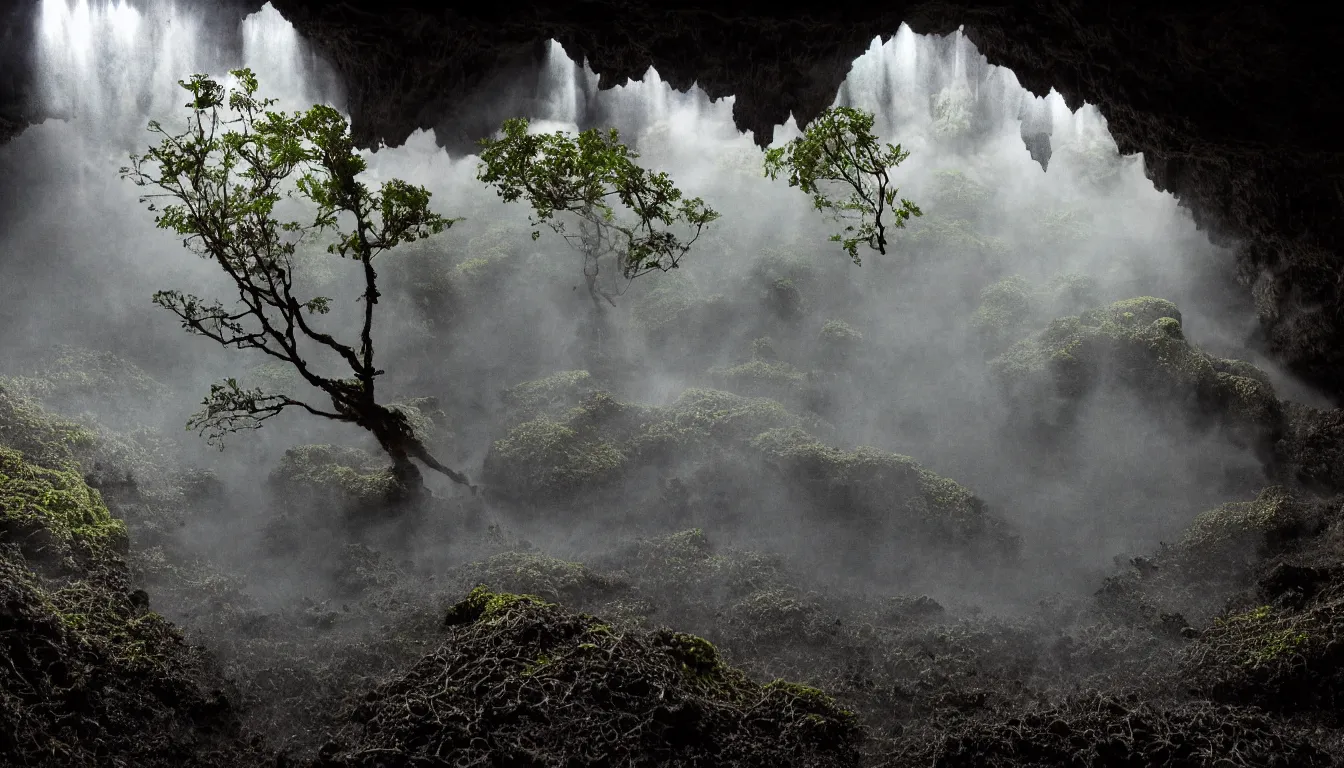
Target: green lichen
x,y
1261,637
53,507
485,605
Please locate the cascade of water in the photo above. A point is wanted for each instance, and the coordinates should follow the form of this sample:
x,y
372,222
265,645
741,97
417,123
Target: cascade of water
x,y
108,66
294,75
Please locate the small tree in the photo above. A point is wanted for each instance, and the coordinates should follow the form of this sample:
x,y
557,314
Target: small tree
x,y
839,148
224,176
585,175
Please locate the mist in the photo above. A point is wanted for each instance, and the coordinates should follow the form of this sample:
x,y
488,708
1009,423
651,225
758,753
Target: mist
x,y
1011,184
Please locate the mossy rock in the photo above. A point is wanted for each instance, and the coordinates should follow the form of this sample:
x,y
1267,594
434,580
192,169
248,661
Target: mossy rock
x,y
1006,308
1249,528
1283,659
583,688
52,513
548,396
1139,345
779,616
545,458
73,380
762,378
42,439
329,473
549,578
885,489
1311,449
90,676
426,418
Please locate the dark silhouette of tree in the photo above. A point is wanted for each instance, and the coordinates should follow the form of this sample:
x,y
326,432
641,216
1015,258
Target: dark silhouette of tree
x,y
223,178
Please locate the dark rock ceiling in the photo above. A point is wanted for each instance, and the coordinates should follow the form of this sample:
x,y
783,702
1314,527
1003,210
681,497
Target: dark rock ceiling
x,y
1236,106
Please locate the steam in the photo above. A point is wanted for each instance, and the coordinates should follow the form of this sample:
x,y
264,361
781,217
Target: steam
x,y
1011,183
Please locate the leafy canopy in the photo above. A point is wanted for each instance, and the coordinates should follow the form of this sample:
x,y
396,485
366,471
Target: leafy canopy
x,y
220,181
839,148
589,176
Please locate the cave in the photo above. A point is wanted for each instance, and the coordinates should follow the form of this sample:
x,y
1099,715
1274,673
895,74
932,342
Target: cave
x,y
1232,106
1049,473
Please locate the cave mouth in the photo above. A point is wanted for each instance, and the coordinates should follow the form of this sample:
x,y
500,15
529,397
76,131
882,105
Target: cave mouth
x,y
968,454
1016,187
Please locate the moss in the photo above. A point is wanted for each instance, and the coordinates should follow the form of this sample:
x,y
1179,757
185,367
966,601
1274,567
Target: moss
x,y
56,504
43,440
74,379
1138,344
530,573
484,605
548,396
1244,523
1006,307
707,415
696,654
1261,637
1136,312
886,488
544,457
761,378
352,475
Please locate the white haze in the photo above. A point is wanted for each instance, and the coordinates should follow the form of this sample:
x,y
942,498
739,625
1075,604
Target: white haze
x,y
81,258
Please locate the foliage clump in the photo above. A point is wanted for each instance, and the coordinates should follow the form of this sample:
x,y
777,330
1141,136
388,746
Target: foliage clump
x,y
74,380
762,378
548,396
1006,309
1097,729
1139,345
548,578
839,150
1248,528
1311,448
52,513
869,487
347,476
520,681
625,213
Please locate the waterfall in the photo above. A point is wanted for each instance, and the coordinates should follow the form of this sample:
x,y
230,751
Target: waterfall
x,y
108,67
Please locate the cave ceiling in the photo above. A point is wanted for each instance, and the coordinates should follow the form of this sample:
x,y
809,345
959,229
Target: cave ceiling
x,y
1236,107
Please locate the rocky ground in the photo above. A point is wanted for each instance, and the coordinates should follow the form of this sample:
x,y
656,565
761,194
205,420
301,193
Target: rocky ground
x,y
682,643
